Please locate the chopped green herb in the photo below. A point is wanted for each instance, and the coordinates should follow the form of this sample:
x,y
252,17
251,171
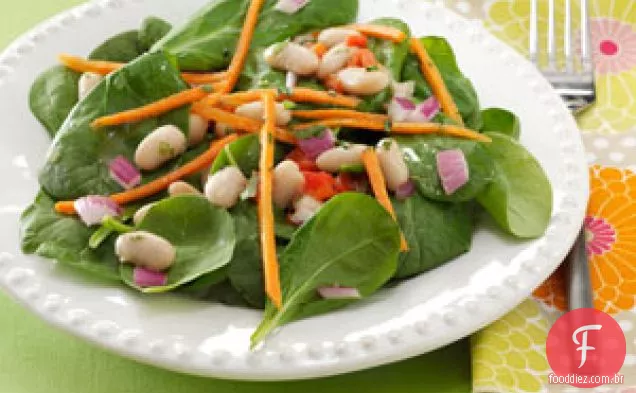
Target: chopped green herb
x,y
289,105
284,90
116,225
352,168
386,145
387,126
165,149
373,68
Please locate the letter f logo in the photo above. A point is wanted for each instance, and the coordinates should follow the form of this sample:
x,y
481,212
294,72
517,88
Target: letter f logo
x,y
583,344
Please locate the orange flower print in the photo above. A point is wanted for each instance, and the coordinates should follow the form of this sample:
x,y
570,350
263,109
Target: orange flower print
x,y
610,242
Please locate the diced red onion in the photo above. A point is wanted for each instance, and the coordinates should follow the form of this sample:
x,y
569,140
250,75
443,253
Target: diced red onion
x,y
405,191
290,6
405,103
93,209
452,169
425,111
339,293
124,172
315,146
400,108
291,80
149,278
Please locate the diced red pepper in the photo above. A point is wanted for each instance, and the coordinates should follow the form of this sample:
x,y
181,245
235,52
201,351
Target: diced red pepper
x,y
319,185
345,183
358,41
299,157
320,49
363,58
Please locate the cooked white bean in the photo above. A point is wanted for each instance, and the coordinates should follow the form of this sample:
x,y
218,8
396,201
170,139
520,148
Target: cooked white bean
x,y
161,145
336,35
392,162
87,82
140,214
304,209
403,89
335,59
359,81
198,128
333,159
145,249
182,188
288,183
225,187
292,57
255,110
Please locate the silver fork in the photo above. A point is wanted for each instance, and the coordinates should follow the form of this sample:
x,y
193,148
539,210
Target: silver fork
x,y
575,83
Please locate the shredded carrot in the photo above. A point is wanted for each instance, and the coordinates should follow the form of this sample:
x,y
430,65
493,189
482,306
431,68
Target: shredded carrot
x,y
265,209
359,41
332,82
237,122
398,128
196,78
95,66
243,46
434,78
160,184
154,109
299,94
320,49
319,114
382,32
378,184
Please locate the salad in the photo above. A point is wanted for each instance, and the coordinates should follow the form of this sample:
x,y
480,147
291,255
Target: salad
x,y
270,154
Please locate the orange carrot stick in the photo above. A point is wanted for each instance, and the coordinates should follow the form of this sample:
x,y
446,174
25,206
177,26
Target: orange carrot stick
x,y
160,184
434,78
379,31
243,46
320,114
378,184
302,94
95,66
239,122
265,210
196,78
154,109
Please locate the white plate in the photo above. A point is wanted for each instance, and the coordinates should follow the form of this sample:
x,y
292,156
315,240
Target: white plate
x,y
417,316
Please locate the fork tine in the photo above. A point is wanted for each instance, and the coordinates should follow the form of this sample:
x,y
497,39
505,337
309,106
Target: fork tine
x,y
586,55
534,31
567,37
551,35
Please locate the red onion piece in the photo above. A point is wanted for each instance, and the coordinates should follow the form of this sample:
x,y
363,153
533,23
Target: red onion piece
x,y
124,172
149,278
405,103
290,6
339,293
291,80
425,111
405,191
315,146
93,209
400,108
452,169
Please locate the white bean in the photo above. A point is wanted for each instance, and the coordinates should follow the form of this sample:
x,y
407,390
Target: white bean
x,y
182,188
87,82
335,59
225,187
145,249
198,128
359,81
140,214
336,35
304,209
255,110
392,162
288,183
160,146
333,159
292,57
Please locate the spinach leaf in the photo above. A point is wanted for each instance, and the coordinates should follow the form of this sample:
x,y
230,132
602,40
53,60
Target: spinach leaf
x,y
151,31
352,241
52,97
436,233
501,121
391,55
202,234
245,152
77,162
420,154
459,86
208,40
520,196
65,239
123,48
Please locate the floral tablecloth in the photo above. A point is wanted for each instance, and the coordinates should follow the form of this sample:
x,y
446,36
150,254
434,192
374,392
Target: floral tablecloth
x,y
509,356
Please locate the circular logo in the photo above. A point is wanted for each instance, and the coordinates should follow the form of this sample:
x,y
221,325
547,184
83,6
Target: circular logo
x,y
585,345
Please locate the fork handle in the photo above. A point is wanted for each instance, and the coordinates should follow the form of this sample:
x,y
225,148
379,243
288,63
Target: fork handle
x,y
579,286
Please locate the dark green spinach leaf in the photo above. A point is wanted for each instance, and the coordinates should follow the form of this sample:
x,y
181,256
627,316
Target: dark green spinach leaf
x,y
391,55
501,121
151,31
352,242
520,196
122,48
202,234
420,153
53,96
